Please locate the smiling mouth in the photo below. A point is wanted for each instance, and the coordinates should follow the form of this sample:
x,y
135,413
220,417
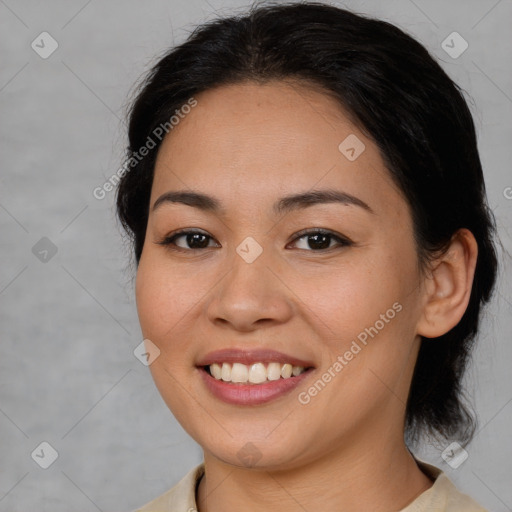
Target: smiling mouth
x,y
256,373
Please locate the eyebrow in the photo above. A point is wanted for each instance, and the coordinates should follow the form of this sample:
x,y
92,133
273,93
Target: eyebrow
x,y
285,204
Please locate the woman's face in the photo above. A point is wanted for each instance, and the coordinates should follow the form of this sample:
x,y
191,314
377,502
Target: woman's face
x,y
343,304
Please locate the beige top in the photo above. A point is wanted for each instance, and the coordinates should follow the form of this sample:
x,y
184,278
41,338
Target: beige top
x,y
443,496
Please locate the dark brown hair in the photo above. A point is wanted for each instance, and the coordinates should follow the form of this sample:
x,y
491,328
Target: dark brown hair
x,y
402,99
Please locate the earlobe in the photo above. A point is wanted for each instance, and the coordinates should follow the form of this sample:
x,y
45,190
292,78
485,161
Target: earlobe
x,y
448,286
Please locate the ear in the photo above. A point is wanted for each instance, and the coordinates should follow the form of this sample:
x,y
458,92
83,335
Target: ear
x,y
447,286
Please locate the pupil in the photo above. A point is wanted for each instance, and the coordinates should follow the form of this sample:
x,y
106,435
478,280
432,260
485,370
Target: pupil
x,y
194,237
321,245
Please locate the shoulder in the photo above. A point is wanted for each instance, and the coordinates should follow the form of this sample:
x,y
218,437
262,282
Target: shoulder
x,y
180,497
443,496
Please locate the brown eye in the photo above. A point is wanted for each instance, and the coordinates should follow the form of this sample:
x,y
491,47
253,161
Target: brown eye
x,y
318,240
313,240
189,240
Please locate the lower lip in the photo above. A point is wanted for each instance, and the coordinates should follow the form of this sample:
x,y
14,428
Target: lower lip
x,y
251,394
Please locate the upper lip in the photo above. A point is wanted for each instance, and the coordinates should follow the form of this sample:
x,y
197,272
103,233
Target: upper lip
x,y
248,357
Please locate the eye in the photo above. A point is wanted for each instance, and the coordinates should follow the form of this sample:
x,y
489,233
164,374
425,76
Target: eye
x,y
314,239
192,240
320,239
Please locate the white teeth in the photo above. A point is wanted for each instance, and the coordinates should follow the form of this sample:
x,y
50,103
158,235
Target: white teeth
x,y
226,372
286,371
297,370
239,373
256,373
274,371
216,370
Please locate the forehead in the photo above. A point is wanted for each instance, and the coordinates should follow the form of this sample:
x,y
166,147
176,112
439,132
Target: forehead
x,y
250,141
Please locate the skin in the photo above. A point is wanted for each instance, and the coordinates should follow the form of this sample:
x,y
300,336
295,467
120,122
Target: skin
x,y
248,145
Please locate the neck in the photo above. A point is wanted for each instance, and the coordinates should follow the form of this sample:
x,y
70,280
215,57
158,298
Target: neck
x,y
381,477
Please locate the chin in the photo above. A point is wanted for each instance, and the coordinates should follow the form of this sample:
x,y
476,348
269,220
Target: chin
x,y
242,452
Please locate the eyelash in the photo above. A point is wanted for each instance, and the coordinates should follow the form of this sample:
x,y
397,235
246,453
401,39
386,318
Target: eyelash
x,y
169,240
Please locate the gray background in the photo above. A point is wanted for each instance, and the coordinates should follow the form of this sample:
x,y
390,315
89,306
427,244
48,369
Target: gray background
x,y
68,325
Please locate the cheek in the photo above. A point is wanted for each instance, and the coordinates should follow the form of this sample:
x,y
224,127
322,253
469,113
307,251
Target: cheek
x,y
159,298
365,312
347,298
148,293
167,296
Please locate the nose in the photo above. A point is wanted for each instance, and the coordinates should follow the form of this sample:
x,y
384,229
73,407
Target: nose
x,y
250,295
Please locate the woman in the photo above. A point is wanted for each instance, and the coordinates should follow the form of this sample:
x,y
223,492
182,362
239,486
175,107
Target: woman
x,y
313,246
